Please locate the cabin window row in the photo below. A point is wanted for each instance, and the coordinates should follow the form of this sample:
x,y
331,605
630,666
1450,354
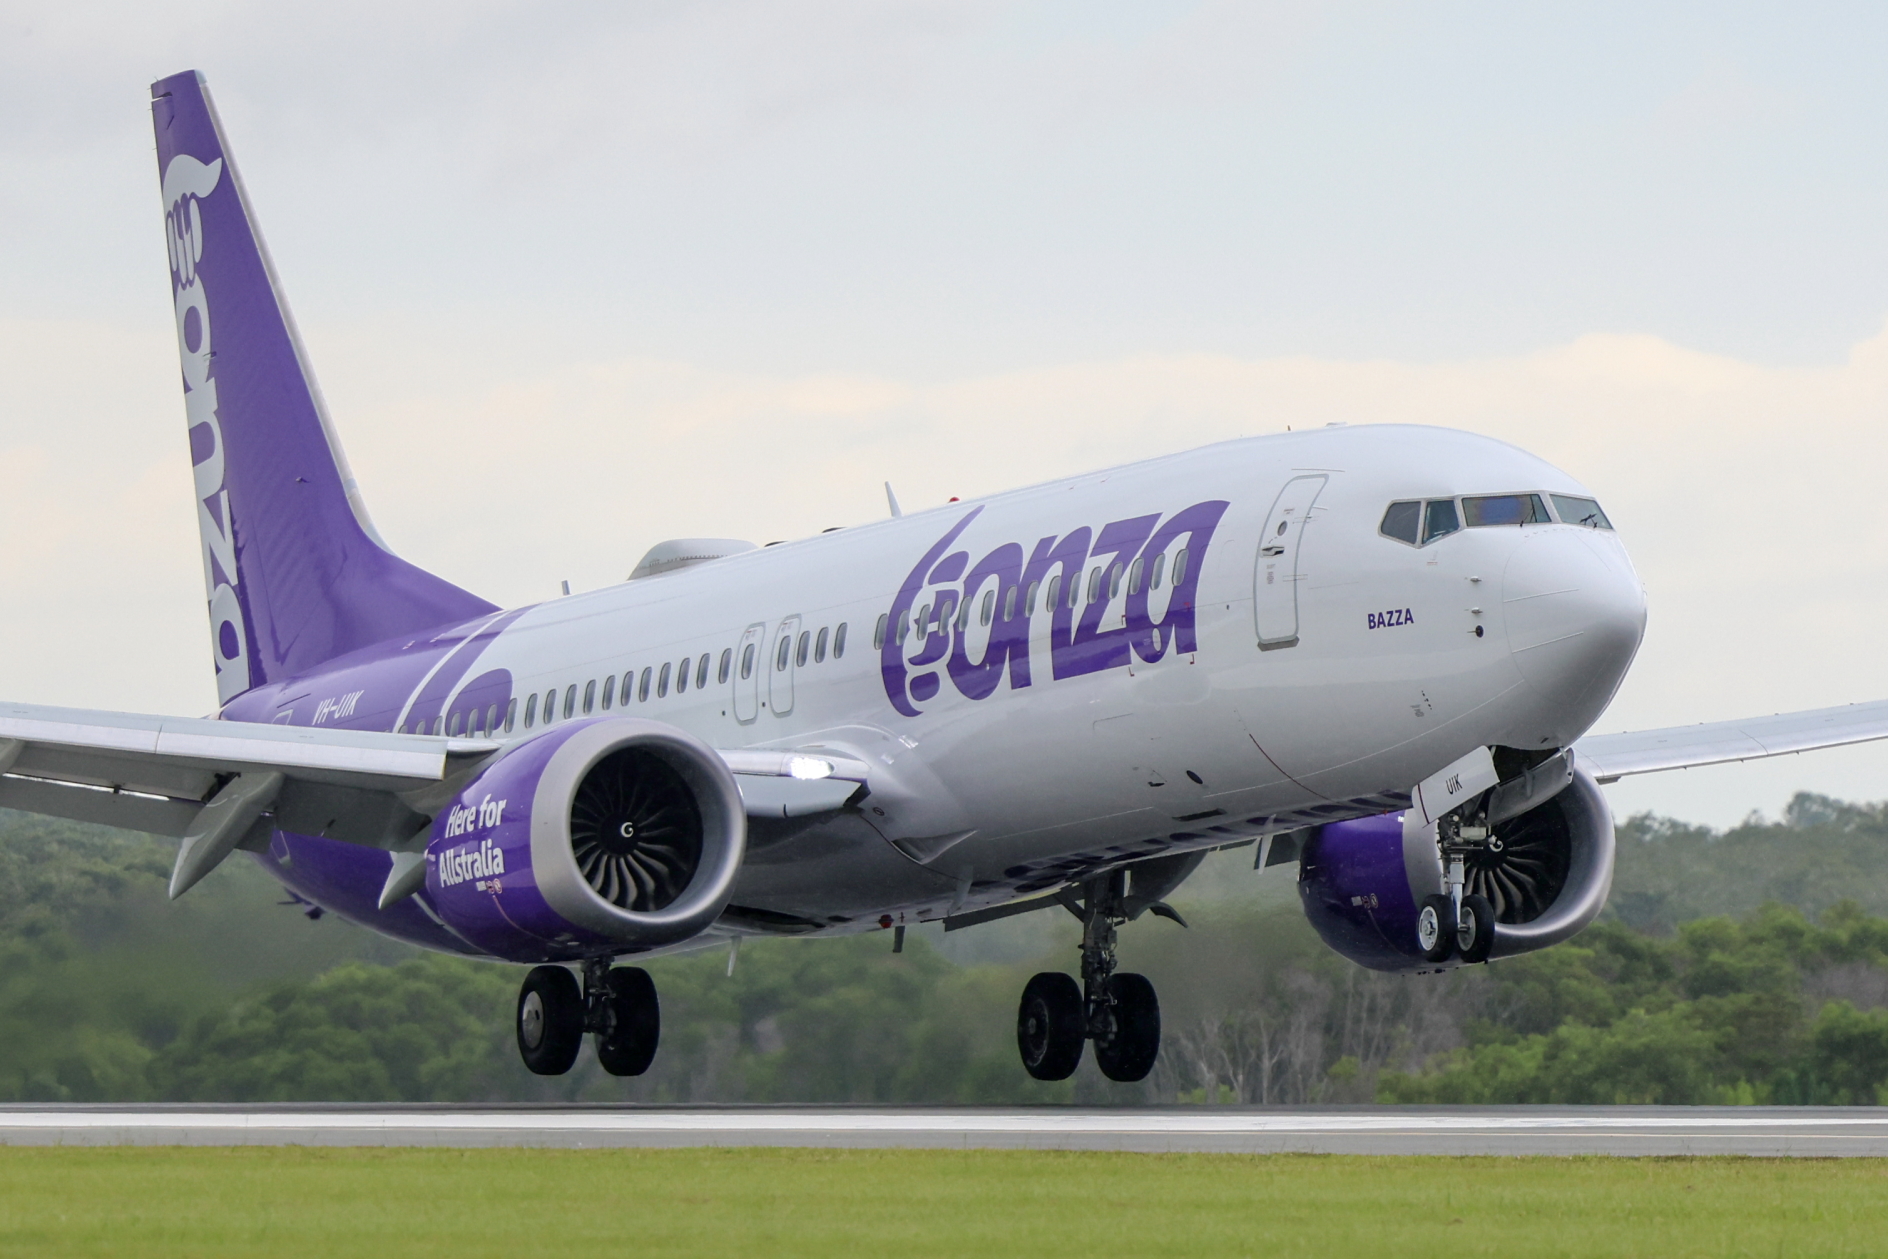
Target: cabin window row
x,y
809,647
656,681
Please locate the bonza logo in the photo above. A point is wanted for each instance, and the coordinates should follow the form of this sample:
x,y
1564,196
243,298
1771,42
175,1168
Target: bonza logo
x,y
186,182
969,622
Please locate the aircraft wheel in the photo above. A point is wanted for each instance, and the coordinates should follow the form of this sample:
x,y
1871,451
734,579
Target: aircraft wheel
x,y
1050,1026
1435,928
1475,932
550,1020
635,1022
1128,1051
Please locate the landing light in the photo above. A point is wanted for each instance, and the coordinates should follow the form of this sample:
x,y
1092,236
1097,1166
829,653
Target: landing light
x,y
808,767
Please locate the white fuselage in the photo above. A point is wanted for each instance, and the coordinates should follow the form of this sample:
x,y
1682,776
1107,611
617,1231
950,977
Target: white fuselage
x,y
1332,668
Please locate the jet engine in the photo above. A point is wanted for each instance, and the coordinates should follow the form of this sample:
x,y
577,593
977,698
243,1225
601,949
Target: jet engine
x,y
1546,872
612,834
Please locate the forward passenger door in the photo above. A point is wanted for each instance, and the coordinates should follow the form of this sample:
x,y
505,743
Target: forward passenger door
x,y
1275,580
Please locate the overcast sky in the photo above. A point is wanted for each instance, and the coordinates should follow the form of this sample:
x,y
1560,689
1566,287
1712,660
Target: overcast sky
x,y
579,277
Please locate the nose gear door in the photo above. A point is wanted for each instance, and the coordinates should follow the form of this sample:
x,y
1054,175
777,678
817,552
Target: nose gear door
x,y
1275,580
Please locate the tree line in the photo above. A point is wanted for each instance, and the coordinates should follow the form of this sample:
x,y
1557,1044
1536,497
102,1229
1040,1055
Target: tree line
x,y
1743,966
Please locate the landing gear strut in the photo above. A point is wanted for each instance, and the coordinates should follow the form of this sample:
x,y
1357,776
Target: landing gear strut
x,y
1458,922
618,1004
1115,1009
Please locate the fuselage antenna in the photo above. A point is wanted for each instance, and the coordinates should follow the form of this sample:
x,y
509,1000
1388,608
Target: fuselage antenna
x,y
891,500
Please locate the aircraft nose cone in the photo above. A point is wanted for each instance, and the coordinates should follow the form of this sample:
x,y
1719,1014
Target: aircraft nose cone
x,y
1575,613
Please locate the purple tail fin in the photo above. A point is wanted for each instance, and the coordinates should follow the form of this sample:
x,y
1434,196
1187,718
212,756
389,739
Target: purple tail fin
x,y
295,572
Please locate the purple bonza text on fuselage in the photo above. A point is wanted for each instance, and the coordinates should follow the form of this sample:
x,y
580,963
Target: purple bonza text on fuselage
x,y
947,589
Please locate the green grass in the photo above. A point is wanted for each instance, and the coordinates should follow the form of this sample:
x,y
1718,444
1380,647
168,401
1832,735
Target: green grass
x,y
763,1204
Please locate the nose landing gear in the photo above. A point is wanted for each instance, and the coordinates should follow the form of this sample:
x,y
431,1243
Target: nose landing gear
x,y
1117,1010
1456,921
618,1004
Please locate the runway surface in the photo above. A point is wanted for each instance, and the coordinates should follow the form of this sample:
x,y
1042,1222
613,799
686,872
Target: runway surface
x,y
1629,1130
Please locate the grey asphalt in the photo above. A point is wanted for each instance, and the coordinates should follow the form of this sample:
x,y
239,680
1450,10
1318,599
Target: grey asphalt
x,y
1817,1132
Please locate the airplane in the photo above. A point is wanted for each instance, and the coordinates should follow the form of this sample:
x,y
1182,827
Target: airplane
x,y
1371,651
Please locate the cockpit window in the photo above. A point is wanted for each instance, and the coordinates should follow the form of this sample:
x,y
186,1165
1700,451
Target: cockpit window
x,y
1440,518
1402,521
1580,511
1505,509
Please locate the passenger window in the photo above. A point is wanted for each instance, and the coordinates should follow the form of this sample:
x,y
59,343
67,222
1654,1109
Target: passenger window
x,y
642,688
1439,518
701,671
1114,582
453,729
609,692
589,696
511,715
1504,509
1094,583
924,619
1402,521
878,635
681,675
491,719
780,657
530,711
570,701
1009,604
839,641
1580,511
963,614
747,661
662,683
727,659
1160,566
1134,578
1029,599
819,647
1055,591
904,630
799,655
989,607
1180,567
439,725
550,706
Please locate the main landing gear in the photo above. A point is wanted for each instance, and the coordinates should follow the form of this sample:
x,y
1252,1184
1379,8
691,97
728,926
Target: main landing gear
x,y
617,1003
1116,1009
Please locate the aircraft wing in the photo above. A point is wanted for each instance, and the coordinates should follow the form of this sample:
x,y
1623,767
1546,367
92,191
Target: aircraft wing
x,y
172,775
1610,757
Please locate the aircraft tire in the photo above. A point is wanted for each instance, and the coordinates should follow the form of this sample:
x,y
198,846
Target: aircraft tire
x,y
1051,1026
1435,928
635,1023
1475,933
1127,1053
550,1020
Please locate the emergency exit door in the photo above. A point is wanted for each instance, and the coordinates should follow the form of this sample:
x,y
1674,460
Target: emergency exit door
x,y
1278,574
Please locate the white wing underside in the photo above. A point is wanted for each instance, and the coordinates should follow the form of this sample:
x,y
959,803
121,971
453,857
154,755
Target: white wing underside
x,y
1609,757
155,774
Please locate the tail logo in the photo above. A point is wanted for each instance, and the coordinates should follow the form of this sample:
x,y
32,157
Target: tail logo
x,y
186,182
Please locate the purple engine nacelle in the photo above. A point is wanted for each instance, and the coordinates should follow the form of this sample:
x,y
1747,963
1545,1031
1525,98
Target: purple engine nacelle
x,y
1363,882
602,836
